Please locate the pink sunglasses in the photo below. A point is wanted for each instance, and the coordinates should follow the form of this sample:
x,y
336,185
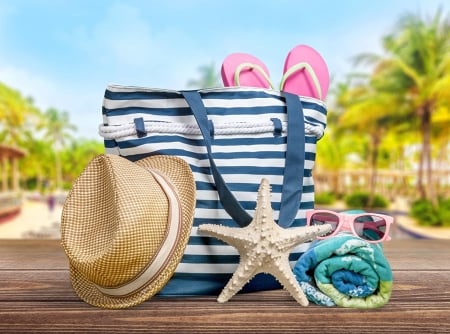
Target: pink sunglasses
x,y
372,227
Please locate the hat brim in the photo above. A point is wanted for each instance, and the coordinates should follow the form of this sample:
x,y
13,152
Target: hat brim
x,y
180,175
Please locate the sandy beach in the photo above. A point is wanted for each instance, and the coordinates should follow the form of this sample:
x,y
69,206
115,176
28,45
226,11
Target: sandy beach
x,y
406,223
35,220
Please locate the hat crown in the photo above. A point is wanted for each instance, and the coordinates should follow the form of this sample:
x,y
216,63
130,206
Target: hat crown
x,y
125,226
122,217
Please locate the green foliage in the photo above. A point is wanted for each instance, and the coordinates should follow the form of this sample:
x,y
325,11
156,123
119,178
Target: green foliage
x,y
209,78
325,198
54,158
18,116
76,156
429,215
402,103
361,200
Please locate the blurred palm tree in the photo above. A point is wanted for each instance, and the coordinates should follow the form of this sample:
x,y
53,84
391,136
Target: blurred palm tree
x,y
17,114
416,68
52,154
37,165
370,114
209,78
57,129
332,149
76,156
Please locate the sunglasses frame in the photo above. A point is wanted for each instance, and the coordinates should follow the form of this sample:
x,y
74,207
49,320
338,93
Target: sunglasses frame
x,y
348,219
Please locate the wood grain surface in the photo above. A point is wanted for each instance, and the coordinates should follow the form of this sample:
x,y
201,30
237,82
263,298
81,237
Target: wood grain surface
x,y
36,296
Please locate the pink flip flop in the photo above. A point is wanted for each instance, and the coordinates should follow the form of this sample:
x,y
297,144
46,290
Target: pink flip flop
x,y
242,69
305,73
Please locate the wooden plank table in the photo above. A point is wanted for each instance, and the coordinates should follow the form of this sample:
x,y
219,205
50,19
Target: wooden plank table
x,y
36,295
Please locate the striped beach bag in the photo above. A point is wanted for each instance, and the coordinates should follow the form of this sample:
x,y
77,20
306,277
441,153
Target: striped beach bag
x,y
232,138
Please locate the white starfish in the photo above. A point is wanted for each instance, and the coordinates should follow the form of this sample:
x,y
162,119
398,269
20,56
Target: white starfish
x,y
264,247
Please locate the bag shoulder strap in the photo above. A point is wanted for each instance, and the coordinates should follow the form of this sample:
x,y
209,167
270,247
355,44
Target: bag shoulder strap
x,y
294,164
295,161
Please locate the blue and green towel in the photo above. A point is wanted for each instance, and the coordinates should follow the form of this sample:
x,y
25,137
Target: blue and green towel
x,y
345,271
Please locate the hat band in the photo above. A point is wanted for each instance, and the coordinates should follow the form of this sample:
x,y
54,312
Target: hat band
x,y
164,253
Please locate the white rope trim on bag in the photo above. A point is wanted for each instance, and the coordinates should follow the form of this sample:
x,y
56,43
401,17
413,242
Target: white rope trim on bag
x,y
230,128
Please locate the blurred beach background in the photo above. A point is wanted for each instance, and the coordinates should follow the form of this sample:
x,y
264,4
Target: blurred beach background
x,y
386,147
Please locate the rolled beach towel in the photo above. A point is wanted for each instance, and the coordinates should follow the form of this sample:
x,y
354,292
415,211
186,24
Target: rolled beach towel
x,y
345,271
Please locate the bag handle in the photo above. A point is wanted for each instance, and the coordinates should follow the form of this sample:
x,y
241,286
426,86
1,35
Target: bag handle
x,y
294,162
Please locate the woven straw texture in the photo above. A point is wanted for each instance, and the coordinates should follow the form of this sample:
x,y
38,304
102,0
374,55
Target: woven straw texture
x,y
114,221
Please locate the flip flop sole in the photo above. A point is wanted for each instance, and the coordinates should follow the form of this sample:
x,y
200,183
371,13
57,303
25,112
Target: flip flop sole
x,y
242,69
302,64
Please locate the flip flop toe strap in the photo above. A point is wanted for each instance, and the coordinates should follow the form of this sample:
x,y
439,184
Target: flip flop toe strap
x,y
252,67
299,67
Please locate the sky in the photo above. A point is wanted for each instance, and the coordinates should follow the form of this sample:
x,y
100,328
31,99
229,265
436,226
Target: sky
x,y
63,53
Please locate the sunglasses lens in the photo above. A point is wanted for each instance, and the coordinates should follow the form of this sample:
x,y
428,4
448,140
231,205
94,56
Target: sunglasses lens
x,y
322,218
370,227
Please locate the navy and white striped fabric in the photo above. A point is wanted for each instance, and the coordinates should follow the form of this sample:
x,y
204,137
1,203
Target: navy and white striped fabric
x,y
248,128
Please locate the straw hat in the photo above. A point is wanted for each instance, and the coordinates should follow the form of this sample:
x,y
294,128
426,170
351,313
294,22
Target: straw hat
x,y
125,226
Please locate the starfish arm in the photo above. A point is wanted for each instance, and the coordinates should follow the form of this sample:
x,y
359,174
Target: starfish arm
x,y
263,247
244,272
291,237
281,270
214,229
231,235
